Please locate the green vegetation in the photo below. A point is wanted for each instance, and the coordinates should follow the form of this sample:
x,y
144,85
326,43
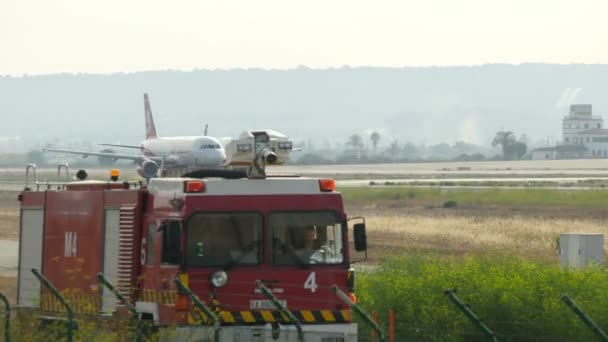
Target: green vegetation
x,y
27,326
450,204
476,197
519,300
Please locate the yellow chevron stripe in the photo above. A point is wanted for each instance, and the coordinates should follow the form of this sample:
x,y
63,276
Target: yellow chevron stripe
x,y
81,303
328,316
227,317
248,316
307,315
345,315
157,296
195,316
267,315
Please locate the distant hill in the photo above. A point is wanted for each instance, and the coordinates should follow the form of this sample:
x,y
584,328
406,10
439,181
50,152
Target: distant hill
x,y
422,105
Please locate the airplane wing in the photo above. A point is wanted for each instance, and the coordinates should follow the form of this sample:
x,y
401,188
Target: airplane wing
x,y
125,146
114,156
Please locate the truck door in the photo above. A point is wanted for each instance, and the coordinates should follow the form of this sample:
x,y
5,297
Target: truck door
x,y
171,252
161,258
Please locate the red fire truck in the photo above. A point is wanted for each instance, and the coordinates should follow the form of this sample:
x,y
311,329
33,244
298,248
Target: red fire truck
x,y
222,237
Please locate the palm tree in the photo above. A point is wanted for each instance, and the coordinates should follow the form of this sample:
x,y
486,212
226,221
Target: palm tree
x,y
394,149
355,141
505,139
375,137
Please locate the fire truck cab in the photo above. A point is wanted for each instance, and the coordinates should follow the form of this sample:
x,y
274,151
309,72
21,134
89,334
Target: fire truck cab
x,y
221,237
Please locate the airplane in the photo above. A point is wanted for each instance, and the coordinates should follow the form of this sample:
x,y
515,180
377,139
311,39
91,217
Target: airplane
x,y
170,153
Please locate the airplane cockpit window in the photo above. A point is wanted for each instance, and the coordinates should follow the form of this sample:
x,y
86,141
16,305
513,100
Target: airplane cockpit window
x,y
210,147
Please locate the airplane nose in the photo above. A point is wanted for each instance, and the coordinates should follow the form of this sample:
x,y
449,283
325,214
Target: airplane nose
x,y
222,156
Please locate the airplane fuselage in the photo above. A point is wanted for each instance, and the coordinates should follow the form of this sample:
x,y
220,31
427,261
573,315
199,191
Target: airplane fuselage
x,y
203,151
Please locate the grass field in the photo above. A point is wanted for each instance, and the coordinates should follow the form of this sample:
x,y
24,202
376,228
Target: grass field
x,y
8,286
506,197
447,234
527,222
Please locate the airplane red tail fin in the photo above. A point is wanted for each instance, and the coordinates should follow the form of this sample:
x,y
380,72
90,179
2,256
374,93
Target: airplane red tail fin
x,y
150,128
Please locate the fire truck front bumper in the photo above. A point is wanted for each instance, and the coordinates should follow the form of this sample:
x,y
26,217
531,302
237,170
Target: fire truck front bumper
x,y
345,332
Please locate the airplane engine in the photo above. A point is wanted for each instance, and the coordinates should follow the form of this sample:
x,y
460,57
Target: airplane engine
x,y
148,169
269,156
171,161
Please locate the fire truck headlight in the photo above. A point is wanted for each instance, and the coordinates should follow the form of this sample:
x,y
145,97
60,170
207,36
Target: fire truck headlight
x,y
219,278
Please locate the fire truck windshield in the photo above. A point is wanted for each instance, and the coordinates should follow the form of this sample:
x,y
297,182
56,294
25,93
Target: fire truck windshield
x,y
302,238
224,239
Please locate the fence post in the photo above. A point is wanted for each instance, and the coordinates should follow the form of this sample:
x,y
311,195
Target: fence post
x,y
56,293
375,319
126,303
282,308
7,318
583,316
198,304
470,314
360,311
391,325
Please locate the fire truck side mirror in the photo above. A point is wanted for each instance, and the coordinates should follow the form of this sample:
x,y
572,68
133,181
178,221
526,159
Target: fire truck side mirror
x,y
360,237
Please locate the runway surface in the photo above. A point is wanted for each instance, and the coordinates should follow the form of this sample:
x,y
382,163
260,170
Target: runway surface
x,y
499,171
560,182
9,258
526,168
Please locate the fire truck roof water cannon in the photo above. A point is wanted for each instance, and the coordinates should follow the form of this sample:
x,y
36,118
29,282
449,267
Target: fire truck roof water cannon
x,y
234,257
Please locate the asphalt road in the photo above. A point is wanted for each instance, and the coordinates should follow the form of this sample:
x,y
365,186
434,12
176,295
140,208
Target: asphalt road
x,y
471,182
499,171
9,258
525,168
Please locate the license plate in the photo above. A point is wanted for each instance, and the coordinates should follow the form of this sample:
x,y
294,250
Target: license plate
x,y
264,304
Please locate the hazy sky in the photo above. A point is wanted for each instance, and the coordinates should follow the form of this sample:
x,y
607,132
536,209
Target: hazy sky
x,y
39,37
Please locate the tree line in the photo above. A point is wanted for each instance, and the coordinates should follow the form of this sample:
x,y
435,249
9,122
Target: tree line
x,y
358,149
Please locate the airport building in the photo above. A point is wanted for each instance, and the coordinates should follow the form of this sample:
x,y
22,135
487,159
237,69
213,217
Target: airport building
x,y
583,136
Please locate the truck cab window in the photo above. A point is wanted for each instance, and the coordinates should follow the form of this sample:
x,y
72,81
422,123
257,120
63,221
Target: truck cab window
x,y
224,239
171,253
306,238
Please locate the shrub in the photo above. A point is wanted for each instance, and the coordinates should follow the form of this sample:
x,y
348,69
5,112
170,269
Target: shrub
x,y
450,204
519,300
